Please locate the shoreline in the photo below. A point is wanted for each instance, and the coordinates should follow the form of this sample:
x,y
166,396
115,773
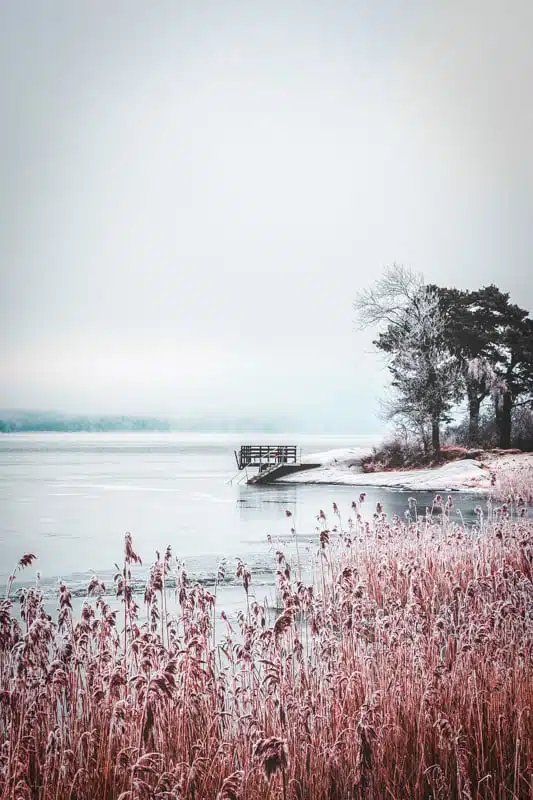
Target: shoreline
x,y
477,475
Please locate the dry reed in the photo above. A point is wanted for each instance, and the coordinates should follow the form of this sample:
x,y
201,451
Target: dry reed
x,y
515,483
403,671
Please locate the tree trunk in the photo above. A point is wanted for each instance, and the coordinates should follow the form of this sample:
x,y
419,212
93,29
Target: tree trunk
x,y
435,437
504,421
498,412
474,404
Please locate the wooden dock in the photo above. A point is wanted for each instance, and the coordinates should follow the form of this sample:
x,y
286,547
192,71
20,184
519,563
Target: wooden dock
x,y
271,461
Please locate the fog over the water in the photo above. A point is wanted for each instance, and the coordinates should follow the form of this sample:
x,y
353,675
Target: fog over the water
x,y
193,192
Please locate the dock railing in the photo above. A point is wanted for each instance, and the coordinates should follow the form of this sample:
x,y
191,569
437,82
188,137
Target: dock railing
x,y
265,456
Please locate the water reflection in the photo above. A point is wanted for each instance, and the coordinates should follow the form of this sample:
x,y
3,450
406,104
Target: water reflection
x,y
305,501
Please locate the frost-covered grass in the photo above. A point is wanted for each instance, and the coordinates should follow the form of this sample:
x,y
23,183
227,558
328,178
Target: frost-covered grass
x,y
514,479
402,669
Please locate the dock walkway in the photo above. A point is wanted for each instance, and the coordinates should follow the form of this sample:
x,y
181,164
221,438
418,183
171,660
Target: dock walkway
x,y
271,461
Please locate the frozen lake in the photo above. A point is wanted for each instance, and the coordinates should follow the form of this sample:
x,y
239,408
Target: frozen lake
x,y
69,498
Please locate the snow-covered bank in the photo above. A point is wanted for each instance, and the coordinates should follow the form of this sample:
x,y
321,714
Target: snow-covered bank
x,y
466,475
340,455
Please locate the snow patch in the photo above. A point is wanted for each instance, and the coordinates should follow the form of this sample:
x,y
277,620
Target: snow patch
x,y
340,455
464,475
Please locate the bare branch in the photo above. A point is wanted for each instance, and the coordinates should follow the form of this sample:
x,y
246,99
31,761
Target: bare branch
x,y
386,300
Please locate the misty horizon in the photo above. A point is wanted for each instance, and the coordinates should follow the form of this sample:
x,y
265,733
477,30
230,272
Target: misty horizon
x,y
193,194
39,420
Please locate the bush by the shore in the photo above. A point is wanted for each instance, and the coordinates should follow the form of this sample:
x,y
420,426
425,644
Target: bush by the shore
x,y
399,454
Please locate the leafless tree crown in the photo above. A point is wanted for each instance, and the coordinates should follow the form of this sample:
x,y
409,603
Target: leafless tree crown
x,y
385,301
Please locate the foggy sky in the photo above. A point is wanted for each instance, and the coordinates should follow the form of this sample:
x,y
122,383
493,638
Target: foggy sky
x,y
192,193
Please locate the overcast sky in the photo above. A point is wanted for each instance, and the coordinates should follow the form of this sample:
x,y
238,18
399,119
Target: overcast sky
x,y
192,193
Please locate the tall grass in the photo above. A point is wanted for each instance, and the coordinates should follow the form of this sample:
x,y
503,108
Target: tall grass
x,y
403,670
514,484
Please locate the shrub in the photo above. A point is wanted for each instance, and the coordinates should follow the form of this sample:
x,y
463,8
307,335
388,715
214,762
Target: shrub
x,y
522,431
521,437
395,454
454,452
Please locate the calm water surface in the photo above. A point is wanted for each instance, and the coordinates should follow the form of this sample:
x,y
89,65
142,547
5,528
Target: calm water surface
x,y
69,498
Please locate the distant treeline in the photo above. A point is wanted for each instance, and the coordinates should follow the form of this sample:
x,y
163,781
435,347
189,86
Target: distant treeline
x,y
53,422
37,421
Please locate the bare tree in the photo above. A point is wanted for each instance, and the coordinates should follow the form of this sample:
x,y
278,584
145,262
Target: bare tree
x,y
384,302
409,421
411,333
